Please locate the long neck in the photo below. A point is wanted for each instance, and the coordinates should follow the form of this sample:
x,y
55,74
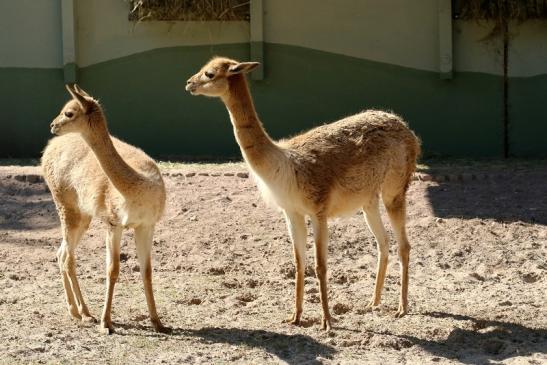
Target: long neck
x,y
120,174
258,150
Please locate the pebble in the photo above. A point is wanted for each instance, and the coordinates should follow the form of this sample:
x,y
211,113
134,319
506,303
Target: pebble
x,y
190,174
243,175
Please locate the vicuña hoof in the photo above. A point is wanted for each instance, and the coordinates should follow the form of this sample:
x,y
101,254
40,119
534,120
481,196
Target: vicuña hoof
x,y
294,320
158,327
401,312
106,329
325,325
88,318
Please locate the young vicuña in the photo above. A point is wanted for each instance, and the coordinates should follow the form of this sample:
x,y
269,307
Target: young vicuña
x,y
91,174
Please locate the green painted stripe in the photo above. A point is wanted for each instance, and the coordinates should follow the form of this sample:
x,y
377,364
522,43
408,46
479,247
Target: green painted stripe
x,y
144,99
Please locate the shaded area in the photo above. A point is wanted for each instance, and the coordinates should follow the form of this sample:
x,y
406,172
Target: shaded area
x,y
503,195
294,349
26,206
485,341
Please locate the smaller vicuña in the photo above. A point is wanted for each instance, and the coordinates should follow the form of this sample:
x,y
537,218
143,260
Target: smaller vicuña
x,y
91,174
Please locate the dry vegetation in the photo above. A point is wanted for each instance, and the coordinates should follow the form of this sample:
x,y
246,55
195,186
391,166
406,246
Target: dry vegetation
x,y
200,10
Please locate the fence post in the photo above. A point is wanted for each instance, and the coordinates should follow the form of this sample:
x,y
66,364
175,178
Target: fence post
x,y
70,66
257,37
445,39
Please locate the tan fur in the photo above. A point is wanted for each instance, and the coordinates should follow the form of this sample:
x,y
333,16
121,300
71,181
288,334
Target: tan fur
x,y
91,174
329,171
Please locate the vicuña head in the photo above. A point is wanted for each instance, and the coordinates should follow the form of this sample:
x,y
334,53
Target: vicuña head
x,y
78,115
213,78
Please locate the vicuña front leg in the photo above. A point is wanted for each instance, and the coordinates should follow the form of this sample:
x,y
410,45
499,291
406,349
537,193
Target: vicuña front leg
x,y
113,238
321,235
374,222
143,241
297,230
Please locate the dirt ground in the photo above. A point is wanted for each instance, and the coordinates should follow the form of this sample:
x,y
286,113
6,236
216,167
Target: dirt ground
x,y
223,277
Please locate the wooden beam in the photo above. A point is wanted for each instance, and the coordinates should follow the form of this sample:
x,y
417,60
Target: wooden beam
x,y
445,38
257,37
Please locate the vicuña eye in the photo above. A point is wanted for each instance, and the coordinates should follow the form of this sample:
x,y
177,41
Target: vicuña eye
x,y
209,75
69,114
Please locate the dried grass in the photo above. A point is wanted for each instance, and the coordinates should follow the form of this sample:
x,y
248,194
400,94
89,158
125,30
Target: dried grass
x,y
189,10
497,10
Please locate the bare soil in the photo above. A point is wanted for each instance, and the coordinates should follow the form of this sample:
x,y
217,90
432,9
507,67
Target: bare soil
x,y
223,277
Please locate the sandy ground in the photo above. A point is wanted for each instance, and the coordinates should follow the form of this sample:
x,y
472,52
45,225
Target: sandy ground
x,y
223,278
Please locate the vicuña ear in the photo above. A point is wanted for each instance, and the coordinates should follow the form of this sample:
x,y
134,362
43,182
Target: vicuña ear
x,y
81,96
81,91
242,67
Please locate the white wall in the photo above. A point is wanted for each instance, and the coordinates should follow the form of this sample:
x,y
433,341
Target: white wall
x,y
104,32
399,32
30,34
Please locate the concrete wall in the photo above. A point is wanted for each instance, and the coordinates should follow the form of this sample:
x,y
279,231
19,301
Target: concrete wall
x,y
322,61
30,33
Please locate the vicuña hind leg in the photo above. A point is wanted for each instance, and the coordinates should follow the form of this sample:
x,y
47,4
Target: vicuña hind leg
x,y
396,210
143,241
374,222
321,234
297,229
73,225
113,238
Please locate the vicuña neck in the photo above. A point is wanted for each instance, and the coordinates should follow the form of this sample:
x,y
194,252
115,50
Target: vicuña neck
x,y
258,150
120,174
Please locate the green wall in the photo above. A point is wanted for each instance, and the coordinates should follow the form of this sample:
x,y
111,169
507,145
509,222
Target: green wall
x,y
144,99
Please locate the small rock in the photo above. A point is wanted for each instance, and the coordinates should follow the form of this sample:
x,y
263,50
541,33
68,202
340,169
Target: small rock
x,y
439,220
190,174
203,174
215,174
34,179
136,268
477,276
493,347
467,177
123,257
14,277
231,284
506,303
426,177
193,218
20,177
244,236
229,174
340,308
243,175
216,271
246,298
530,277
252,283
195,301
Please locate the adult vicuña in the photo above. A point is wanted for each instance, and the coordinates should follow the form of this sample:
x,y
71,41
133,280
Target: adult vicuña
x,y
328,171
91,174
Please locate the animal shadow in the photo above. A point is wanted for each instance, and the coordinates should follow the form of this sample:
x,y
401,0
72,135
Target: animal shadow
x,y
485,342
293,349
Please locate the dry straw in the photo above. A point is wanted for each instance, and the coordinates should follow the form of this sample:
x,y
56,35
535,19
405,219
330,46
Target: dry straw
x,y
496,10
194,10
